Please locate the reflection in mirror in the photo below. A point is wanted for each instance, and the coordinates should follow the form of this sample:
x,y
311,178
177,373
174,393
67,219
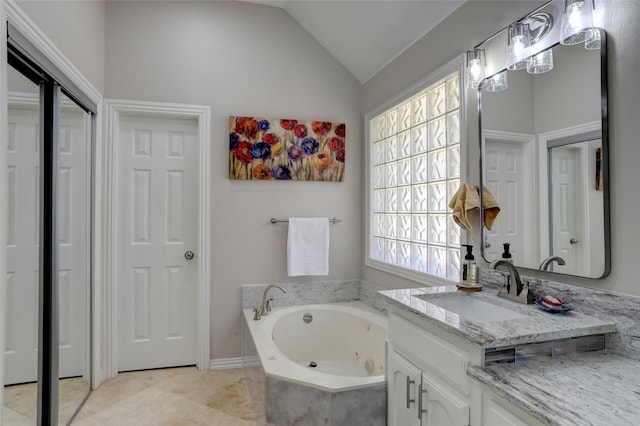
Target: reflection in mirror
x,y
73,256
576,204
21,314
539,144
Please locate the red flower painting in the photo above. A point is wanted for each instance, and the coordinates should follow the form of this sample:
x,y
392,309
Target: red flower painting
x,y
286,149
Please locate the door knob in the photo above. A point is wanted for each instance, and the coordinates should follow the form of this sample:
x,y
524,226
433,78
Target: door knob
x,y
573,241
189,255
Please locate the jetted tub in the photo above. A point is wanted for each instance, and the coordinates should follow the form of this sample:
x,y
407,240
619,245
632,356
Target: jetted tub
x,y
330,347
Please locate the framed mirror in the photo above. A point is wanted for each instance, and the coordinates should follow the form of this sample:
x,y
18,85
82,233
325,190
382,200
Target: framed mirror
x,y
544,156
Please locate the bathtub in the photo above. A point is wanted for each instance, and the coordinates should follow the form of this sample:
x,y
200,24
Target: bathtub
x,y
346,341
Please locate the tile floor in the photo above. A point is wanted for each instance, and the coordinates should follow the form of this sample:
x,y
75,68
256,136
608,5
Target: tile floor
x,y
20,402
174,396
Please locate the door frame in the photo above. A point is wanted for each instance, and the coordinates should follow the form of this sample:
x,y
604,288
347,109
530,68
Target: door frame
x,y
108,179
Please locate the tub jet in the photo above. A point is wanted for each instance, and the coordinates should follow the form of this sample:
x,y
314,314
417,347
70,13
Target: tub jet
x,y
313,364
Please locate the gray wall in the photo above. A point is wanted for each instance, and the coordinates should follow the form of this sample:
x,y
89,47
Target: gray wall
x,y
244,59
475,21
77,29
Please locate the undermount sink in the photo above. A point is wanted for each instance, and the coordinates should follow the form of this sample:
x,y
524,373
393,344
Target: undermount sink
x,y
472,309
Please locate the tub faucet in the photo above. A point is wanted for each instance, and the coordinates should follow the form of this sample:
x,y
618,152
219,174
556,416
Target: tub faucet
x,y
264,307
544,266
521,294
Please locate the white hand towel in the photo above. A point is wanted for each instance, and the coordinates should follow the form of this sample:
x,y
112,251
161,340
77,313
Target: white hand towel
x,y
308,246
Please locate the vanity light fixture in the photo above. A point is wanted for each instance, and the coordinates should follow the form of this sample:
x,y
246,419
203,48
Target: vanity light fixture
x,y
541,62
518,43
497,82
577,20
475,67
522,37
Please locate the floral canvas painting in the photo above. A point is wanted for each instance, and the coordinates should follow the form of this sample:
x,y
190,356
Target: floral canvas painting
x,y
279,149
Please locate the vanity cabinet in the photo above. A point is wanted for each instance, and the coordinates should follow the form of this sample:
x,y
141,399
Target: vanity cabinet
x,y
427,381
426,378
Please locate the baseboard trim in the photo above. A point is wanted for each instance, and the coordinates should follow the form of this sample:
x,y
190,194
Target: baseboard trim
x,y
238,362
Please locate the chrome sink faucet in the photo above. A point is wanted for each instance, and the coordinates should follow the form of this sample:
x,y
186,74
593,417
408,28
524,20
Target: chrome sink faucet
x,y
545,263
521,293
264,307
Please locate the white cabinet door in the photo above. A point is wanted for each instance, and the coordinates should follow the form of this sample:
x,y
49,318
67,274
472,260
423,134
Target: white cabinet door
x,y
441,407
403,379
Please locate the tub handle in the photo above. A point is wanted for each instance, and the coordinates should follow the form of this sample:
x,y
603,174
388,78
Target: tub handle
x,y
421,411
409,383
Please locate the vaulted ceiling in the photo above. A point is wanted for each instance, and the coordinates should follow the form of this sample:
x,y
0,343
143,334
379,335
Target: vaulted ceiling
x,y
365,35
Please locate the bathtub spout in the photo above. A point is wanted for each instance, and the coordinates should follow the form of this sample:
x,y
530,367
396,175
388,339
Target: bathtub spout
x,y
264,306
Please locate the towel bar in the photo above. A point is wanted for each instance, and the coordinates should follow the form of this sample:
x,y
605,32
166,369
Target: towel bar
x,y
274,220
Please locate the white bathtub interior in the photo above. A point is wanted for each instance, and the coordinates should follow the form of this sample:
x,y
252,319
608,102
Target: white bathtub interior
x,y
345,340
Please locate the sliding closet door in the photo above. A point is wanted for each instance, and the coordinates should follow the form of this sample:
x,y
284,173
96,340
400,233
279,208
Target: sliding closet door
x,y
73,212
52,131
23,221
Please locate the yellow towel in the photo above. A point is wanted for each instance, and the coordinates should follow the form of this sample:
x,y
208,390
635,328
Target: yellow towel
x,y
466,199
490,207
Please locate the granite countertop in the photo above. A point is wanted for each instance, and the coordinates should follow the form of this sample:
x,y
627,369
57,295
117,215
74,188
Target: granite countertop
x,y
589,388
540,326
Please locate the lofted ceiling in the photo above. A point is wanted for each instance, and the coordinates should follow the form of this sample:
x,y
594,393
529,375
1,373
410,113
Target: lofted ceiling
x,y
365,35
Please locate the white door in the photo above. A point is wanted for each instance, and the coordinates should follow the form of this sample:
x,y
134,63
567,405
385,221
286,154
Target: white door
x,y
565,199
21,317
403,379
508,179
157,227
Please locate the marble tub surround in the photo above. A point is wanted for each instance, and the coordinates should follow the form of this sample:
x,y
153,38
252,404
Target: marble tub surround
x,y
254,376
314,292
538,326
286,391
306,293
293,404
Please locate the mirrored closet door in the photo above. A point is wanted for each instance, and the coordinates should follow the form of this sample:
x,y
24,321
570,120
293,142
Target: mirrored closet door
x,y
47,325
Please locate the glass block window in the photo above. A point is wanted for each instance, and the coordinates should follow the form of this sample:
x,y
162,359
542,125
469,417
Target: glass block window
x,y
415,170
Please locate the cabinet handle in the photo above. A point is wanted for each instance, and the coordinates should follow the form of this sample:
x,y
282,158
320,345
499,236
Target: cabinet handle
x,y
409,383
421,411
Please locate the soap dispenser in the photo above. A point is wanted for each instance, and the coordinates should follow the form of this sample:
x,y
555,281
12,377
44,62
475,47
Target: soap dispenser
x,y
506,255
469,267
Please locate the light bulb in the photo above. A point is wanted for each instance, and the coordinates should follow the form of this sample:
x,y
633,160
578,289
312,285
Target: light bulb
x,y
574,12
475,69
518,43
518,46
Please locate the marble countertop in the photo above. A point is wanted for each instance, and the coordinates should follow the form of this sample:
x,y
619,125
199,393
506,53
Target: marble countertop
x,y
589,388
539,326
